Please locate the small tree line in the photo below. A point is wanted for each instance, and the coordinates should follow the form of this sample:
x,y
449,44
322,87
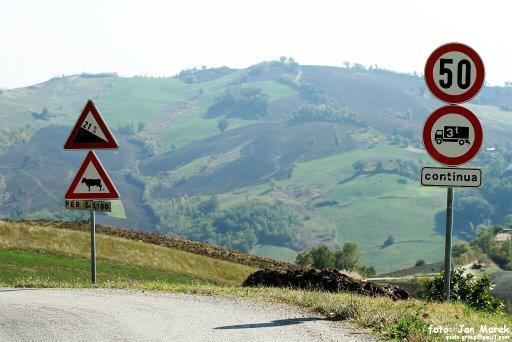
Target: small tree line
x,y
346,258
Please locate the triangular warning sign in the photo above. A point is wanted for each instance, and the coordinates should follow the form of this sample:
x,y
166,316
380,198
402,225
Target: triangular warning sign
x,y
91,182
90,131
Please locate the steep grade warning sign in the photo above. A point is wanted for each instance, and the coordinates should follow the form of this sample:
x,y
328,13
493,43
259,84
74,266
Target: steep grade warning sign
x,y
90,131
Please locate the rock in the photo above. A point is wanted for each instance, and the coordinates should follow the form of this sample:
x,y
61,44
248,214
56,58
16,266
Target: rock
x,y
329,280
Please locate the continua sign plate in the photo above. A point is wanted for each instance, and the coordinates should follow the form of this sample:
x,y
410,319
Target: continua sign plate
x,y
451,177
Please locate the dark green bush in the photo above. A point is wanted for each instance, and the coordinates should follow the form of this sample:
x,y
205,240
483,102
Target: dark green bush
x,y
244,103
346,258
465,288
420,262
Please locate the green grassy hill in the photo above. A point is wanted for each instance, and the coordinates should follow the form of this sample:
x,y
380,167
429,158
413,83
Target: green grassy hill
x,y
171,149
34,253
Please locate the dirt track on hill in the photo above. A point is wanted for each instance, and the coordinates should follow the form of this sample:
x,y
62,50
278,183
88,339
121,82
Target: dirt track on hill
x,y
170,242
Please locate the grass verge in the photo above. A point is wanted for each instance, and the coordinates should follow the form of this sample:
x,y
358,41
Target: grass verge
x,y
391,320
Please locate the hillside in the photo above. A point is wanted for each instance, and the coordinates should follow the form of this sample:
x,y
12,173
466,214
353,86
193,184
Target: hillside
x,y
292,133
62,255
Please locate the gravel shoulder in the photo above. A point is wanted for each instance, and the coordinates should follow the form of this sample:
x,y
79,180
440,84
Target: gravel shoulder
x,y
126,315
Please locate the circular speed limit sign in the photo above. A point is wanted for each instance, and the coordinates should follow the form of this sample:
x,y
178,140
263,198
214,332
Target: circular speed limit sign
x,y
452,135
454,73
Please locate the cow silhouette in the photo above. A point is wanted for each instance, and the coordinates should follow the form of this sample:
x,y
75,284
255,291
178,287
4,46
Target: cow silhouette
x,y
92,182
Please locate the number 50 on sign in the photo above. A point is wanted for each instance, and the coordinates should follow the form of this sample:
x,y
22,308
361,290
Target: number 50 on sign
x,y
454,73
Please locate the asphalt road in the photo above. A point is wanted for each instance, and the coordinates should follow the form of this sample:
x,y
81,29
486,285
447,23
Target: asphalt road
x,y
119,315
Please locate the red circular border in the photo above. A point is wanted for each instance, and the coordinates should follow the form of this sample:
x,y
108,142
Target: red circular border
x,y
429,71
466,157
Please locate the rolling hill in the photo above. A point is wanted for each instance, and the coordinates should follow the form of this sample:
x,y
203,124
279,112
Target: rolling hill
x,y
62,255
171,149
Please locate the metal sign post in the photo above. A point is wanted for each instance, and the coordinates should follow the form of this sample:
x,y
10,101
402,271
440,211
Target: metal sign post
x,y
452,135
448,244
91,184
93,247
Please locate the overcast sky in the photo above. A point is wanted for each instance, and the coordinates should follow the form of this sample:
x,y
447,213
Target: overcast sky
x,y
43,39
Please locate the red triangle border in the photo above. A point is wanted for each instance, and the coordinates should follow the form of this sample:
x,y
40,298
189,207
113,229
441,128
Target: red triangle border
x,y
110,144
112,191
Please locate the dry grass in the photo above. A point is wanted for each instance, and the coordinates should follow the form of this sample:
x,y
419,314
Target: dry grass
x,y
113,249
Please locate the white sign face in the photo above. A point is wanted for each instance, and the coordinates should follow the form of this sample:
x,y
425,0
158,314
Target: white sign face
x,y
454,72
90,131
90,125
451,177
91,182
452,135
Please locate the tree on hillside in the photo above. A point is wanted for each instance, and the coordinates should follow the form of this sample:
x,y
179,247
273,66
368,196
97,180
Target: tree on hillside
x,y
304,259
379,167
222,125
346,64
322,257
359,166
389,241
347,257
419,262
3,194
336,138
244,103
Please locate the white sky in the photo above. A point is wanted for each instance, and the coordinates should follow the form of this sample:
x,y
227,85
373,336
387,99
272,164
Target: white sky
x,y
43,39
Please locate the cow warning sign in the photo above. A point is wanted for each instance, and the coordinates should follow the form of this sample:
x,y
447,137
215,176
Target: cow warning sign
x,y
90,131
91,182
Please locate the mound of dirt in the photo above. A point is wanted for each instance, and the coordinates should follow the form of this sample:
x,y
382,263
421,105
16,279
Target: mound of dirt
x,y
330,280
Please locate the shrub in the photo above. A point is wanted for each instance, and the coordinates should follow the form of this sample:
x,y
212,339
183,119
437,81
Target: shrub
x,y
304,259
420,262
342,311
460,249
348,257
389,241
245,103
329,111
222,125
345,258
322,257
406,326
474,292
